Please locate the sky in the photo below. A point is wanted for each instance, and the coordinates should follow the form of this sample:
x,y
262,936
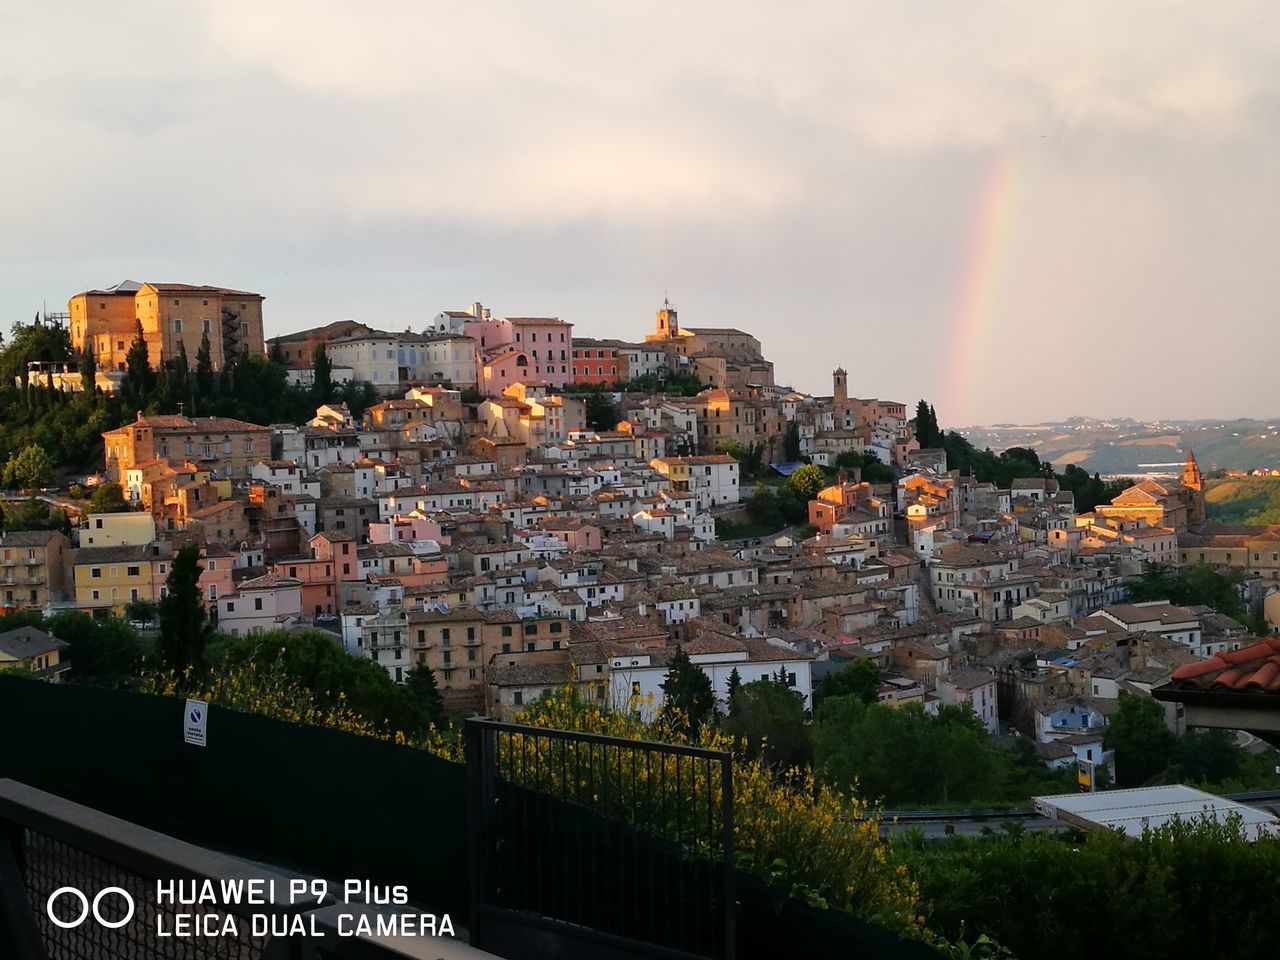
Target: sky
x,y
1017,211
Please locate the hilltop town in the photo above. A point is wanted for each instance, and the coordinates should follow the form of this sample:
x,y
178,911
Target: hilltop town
x,y
518,507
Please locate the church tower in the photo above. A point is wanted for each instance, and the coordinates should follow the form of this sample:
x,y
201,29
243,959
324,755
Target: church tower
x,y
1193,483
668,325
840,391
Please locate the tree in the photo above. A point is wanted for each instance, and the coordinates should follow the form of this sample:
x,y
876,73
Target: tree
x,y
791,443
204,371
688,700
793,507
30,469
602,412
904,755
806,481
108,498
1143,744
859,678
1198,584
421,684
315,661
731,688
34,514
926,425
139,382
88,371
769,716
173,386
321,375
184,626
140,611
763,506
102,651
1209,756
359,396
868,466
750,457
276,353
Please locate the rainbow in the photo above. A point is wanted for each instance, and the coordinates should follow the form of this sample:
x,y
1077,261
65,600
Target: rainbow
x,y
979,283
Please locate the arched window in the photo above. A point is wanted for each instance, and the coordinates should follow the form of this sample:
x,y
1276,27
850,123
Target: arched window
x,y
522,360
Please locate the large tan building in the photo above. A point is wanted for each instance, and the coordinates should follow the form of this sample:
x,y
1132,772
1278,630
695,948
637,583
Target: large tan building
x,y
1173,505
724,357
227,448
172,315
31,568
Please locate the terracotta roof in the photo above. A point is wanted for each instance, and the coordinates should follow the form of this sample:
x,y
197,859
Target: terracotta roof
x,y
196,288
1252,669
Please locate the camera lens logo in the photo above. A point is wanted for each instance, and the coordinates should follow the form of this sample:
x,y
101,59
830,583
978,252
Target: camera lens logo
x,y
86,907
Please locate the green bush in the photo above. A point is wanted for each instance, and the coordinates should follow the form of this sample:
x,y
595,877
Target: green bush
x,y
1191,889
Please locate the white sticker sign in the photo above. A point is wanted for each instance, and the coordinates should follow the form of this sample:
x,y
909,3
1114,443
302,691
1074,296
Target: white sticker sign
x,y
195,722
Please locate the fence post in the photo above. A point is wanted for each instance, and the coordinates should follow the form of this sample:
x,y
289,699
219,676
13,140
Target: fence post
x,y
19,935
476,754
730,889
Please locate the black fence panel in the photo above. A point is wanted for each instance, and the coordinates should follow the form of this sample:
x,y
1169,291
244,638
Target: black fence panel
x,y
602,842
313,799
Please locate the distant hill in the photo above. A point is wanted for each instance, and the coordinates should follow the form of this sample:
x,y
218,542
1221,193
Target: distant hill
x,y
1243,500
1133,447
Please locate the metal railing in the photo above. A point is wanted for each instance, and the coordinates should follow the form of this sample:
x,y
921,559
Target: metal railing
x,y
49,844
610,847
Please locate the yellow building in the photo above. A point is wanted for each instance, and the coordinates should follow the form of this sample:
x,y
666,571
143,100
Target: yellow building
x,y
31,649
107,578
171,314
130,528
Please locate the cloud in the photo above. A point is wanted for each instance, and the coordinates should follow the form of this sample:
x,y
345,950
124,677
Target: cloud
x,y
814,167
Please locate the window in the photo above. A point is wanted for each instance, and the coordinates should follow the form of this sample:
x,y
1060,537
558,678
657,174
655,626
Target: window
x,y
506,648
95,572
557,627
257,603
517,698
205,325
177,325
131,571
448,657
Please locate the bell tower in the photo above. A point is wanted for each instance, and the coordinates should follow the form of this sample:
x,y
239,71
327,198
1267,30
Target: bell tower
x,y
840,388
1193,483
668,324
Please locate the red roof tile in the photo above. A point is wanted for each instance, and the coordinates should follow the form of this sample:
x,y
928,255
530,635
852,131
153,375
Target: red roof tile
x,y
1255,668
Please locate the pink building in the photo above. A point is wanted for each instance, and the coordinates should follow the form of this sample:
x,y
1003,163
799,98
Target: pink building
x,y
406,529
514,349
573,531
264,603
